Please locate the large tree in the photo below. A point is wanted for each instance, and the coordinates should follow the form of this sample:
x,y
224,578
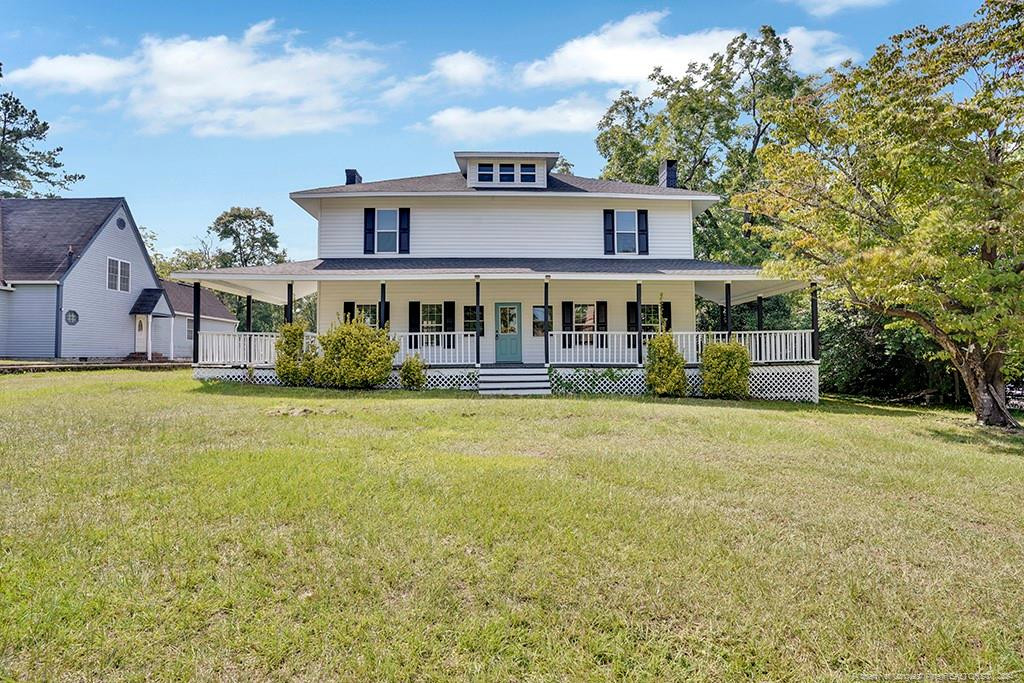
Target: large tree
x,y
902,182
26,170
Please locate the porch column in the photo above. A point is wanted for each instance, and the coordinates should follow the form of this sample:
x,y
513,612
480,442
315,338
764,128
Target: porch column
x,y
149,337
547,323
639,326
289,303
380,306
196,314
170,344
815,335
728,311
479,320
760,313
248,313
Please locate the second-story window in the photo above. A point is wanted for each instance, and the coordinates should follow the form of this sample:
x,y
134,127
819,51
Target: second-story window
x,y
485,173
625,232
387,231
527,173
119,275
507,173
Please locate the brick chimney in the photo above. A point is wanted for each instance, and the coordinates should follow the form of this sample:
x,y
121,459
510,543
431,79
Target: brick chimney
x,y
352,177
667,173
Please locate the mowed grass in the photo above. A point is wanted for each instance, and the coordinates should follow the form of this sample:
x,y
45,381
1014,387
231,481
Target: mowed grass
x,y
152,527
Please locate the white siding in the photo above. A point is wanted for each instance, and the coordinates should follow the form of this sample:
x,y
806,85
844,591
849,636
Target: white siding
x,y
499,226
105,328
31,312
332,296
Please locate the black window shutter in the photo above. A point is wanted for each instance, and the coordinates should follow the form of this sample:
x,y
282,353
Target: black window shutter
x,y
567,321
403,231
448,322
641,231
369,226
348,311
666,314
385,316
632,320
602,323
609,231
414,323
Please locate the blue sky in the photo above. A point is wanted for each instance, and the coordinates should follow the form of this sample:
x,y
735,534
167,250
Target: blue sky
x,y
189,108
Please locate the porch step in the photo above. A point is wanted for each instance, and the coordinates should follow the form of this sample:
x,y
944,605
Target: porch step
x,y
514,381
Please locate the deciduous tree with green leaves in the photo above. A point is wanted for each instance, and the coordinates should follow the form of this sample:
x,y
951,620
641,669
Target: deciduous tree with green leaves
x,y
902,182
26,171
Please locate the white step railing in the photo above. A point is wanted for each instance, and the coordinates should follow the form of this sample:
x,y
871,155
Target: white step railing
x,y
437,348
619,348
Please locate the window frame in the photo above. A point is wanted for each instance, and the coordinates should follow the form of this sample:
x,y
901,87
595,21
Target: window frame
x,y
480,173
511,174
372,308
190,328
438,330
377,232
646,327
551,319
467,320
123,271
523,173
635,231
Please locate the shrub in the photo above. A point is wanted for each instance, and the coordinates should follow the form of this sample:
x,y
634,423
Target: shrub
x,y
293,365
413,373
725,371
354,355
665,368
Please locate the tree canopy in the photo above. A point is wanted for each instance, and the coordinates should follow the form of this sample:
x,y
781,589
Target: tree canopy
x,y
25,169
902,180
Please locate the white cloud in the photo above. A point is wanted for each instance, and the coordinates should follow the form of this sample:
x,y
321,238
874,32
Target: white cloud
x,y
460,69
573,115
76,73
624,52
817,50
826,8
261,85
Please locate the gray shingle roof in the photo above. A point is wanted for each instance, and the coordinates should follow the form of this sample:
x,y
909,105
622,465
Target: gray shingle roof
x,y
456,182
147,301
179,295
36,233
463,266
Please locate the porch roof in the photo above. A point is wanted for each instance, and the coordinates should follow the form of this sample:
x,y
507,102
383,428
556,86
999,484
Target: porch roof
x,y
268,283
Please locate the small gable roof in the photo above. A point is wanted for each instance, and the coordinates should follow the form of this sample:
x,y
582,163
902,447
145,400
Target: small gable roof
x,y
35,234
179,295
147,301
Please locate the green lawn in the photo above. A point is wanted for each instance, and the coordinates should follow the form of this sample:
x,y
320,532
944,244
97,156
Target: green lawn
x,y
153,527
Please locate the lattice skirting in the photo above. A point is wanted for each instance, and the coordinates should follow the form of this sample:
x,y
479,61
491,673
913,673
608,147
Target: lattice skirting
x,y
437,378
769,382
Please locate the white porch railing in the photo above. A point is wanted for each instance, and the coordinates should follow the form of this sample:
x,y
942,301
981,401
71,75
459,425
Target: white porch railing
x,y
619,348
242,348
437,348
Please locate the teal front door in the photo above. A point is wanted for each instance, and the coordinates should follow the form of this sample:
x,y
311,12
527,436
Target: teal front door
x,y
508,333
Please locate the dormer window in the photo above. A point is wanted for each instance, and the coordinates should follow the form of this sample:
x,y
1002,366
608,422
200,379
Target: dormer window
x,y
507,173
485,173
527,173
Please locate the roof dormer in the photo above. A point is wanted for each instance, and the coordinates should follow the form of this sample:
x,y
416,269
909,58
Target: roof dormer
x,y
506,170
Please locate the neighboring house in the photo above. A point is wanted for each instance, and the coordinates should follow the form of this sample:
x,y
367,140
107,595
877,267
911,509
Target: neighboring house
x,y
508,267
215,316
77,282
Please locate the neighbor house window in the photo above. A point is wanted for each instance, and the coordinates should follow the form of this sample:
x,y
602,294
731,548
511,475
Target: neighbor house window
x,y
527,173
485,173
119,275
625,232
190,328
650,317
538,320
469,319
507,173
387,231
367,313
584,321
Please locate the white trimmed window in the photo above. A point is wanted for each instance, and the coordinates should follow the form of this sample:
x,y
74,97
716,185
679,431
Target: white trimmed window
x,y
190,328
527,173
387,231
119,275
507,173
485,173
650,317
367,313
625,232
584,321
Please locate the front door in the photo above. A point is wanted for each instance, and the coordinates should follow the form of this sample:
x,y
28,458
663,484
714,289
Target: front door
x,y
508,333
140,334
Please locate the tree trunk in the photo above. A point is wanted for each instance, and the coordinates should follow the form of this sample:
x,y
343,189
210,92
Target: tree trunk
x,y
986,388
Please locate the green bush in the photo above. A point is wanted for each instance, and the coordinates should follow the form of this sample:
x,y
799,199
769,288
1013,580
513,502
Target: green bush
x,y
725,371
413,373
354,355
293,365
665,368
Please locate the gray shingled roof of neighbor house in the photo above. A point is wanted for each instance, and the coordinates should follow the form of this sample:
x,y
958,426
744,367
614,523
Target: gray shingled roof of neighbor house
x,y
180,297
37,233
456,182
469,265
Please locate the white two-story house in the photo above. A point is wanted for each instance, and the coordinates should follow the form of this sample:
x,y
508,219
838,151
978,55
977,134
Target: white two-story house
x,y
501,270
